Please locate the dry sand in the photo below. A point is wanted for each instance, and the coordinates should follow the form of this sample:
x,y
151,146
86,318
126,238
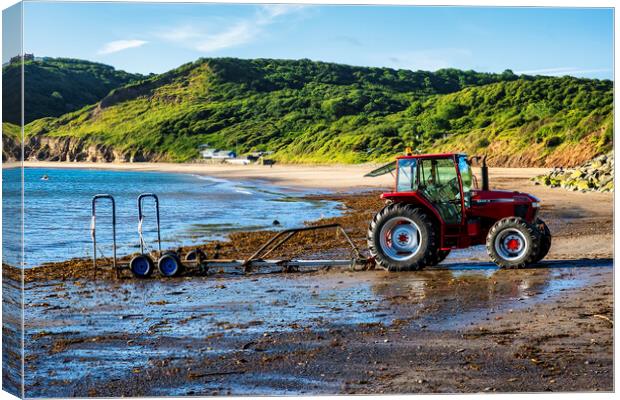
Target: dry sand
x,y
334,177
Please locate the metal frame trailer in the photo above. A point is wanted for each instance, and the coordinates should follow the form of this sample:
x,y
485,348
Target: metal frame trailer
x,y
169,263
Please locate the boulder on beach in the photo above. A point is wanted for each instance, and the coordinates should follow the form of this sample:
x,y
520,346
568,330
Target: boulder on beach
x,y
594,175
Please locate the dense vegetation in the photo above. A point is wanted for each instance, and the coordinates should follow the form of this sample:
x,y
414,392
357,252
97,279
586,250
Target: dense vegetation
x,y
55,86
319,112
532,119
11,130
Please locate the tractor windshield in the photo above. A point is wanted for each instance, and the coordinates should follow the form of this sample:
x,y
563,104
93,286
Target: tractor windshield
x,y
439,183
466,174
466,178
406,180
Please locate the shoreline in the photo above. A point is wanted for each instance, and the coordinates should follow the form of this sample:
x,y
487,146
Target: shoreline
x,y
357,209
361,199
329,177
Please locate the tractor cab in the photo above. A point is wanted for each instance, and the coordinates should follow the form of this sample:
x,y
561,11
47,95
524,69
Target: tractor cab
x,y
444,180
442,184
444,189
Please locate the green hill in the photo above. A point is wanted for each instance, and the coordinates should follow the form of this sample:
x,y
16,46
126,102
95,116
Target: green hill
x,y
309,111
55,86
10,130
550,121
11,139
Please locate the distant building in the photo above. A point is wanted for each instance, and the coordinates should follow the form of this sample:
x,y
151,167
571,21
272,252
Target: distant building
x,y
259,154
207,153
216,154
266,161
238,161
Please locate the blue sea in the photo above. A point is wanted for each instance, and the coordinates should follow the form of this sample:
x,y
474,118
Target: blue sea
x,y
193,209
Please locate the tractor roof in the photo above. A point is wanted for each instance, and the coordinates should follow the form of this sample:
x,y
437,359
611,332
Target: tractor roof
x,y
391,166
439,155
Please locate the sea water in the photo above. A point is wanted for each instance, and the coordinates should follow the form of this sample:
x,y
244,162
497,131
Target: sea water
x,y
194,209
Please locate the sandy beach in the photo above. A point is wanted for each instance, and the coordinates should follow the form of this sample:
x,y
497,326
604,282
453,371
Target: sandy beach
x,y
333,177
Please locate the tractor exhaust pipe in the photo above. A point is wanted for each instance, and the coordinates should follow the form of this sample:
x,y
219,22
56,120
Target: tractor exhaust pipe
x,y
484,169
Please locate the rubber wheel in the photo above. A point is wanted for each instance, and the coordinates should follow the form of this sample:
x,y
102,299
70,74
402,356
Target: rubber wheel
x,y
194,255
545,240
198,256
439,256
402,237
141,266
169,264
513,243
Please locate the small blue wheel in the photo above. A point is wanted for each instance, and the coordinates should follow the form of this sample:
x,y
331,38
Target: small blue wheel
x,y
169,265
141,266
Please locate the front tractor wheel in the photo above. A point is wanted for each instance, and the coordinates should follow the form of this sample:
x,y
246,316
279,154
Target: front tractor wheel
x,y
513,243
402,238
545,240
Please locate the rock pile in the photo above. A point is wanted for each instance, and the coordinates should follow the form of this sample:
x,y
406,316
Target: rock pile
x,y
595,175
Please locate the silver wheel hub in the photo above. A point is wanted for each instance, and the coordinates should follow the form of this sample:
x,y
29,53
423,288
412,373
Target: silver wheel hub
x,y
400,238
511,244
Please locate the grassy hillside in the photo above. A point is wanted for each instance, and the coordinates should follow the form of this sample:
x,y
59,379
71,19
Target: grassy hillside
x,y
55,86
11,130
319,112
549,120
11,142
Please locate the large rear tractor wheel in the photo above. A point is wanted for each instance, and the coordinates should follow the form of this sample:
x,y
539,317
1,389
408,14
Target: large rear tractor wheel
x,y
545,240
402,237
440,255
513,243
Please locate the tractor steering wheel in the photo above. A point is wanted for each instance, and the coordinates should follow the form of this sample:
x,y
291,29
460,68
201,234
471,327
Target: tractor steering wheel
x,y
454,186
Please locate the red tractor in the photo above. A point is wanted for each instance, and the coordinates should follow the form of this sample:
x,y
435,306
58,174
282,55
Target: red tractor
x,y
436,206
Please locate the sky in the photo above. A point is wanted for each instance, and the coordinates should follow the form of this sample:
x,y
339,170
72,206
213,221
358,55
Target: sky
x,y
156,37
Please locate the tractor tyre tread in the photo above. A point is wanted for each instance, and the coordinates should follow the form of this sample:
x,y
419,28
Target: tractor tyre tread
x,y
425,255
545,240
438,257
529,230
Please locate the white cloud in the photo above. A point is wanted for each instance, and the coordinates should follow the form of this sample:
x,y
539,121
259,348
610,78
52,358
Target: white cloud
x,y
180,33
237,33
275,10
120,45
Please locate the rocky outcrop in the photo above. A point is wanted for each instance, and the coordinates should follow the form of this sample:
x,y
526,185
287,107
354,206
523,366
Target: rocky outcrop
x,y
594,175
11,150
51,148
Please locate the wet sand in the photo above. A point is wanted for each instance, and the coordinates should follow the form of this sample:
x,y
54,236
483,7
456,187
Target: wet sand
x,y
460,327
463,326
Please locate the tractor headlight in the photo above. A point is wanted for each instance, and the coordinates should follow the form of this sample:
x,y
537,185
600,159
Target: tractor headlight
x,y
536,204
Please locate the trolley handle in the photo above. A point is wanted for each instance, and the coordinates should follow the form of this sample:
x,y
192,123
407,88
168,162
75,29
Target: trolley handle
x,y
140,200
93,229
